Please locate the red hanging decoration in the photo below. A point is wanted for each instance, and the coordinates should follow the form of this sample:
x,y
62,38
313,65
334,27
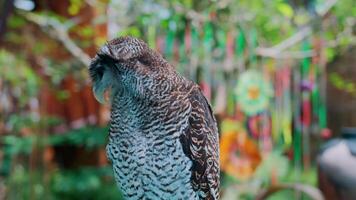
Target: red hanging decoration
x,y
306,113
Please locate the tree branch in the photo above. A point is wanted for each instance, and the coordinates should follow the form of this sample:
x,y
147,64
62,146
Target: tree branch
x,y
285,55
58,31
312,192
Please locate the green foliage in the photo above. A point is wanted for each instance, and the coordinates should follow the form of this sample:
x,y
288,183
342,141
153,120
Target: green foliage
x,y
274,21
86,31
274,165
17,145
17,122
12,145
85,183
20,180
82,183
340,83
89,137
57,71
17,75
285,9
132,30
75,6
16,22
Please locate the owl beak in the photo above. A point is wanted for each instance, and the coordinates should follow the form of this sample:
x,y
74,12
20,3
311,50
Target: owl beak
x,y
101,94
102,87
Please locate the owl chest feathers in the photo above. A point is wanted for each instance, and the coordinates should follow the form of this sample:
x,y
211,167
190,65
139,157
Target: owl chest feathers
x,y
146,152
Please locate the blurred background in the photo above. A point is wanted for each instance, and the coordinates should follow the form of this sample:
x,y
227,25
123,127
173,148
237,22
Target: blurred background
x,y
280,76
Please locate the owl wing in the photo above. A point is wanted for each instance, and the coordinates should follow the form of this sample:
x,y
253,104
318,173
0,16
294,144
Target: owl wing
x,y
201,144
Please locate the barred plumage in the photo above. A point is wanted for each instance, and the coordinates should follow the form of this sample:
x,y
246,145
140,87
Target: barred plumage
x,y
163,140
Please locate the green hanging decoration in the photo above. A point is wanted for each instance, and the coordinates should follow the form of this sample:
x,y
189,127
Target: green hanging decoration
x,y
208,40
319,110
170,40
297,144
322,115
297,131
240,44
305,61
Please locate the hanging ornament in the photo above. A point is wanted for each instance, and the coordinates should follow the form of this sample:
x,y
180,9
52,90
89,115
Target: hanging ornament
x,y
306,117
282,113
253,92
170,42
240,155
259,125
240,44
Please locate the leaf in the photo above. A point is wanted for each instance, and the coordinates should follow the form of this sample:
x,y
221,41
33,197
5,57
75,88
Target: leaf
x,y
86,31
330,53
285,9
16,22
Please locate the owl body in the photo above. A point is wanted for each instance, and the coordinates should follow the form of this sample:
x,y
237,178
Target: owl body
x,y
163,140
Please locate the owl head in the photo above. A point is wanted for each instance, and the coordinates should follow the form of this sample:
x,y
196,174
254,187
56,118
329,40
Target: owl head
x,y
126,64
